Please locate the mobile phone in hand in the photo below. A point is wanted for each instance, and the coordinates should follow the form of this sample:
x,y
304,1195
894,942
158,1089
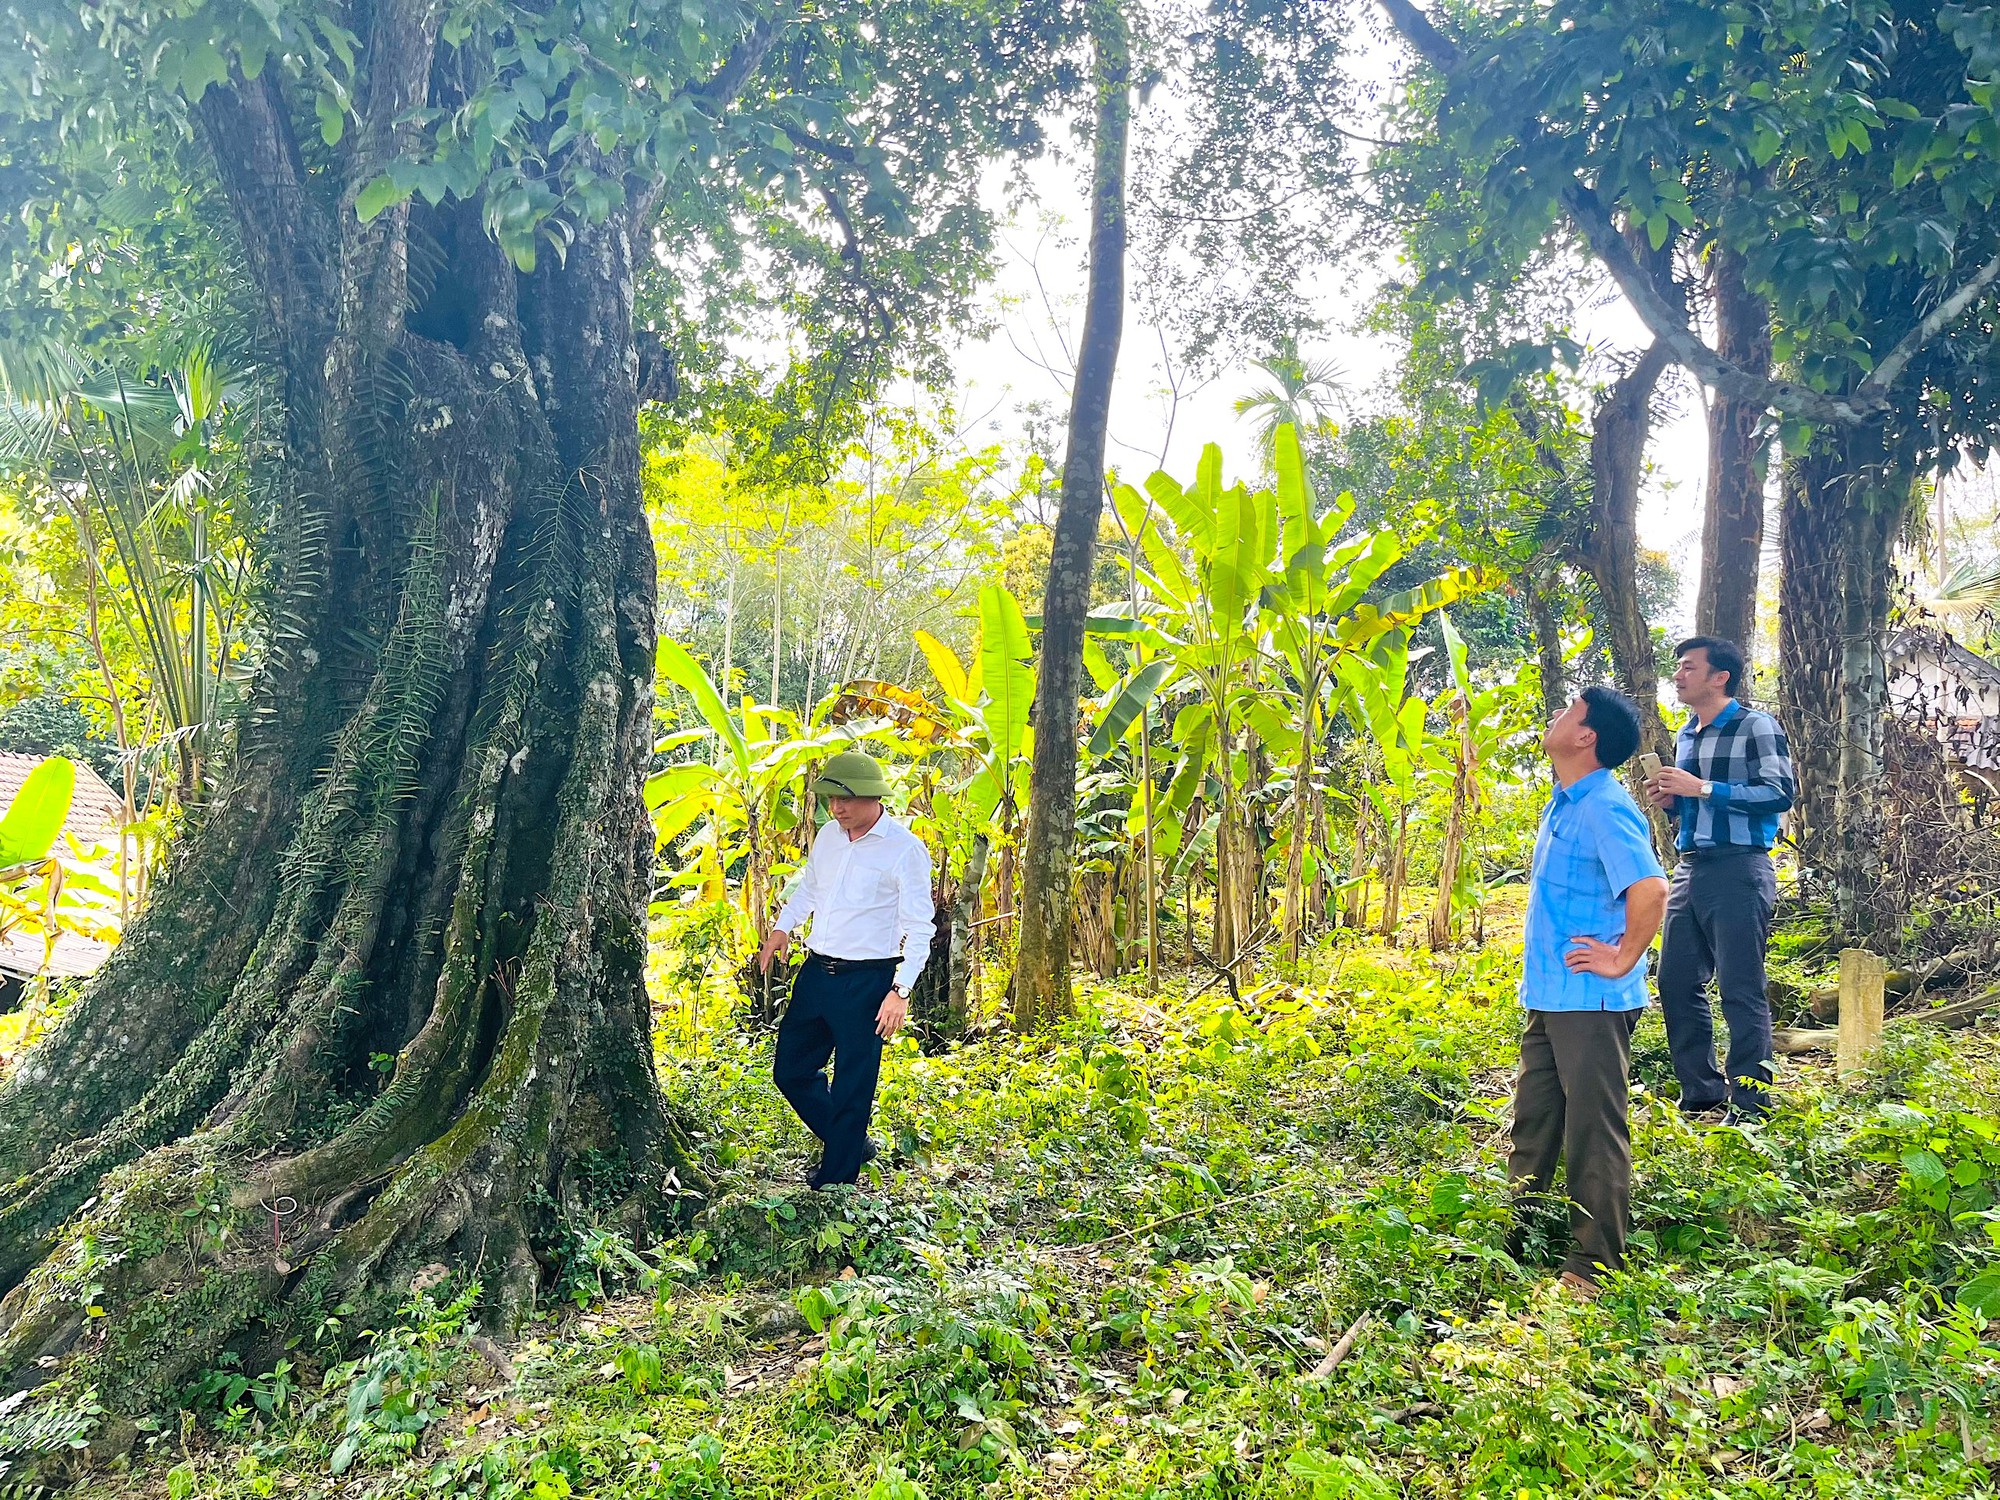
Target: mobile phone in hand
x,y
1650,763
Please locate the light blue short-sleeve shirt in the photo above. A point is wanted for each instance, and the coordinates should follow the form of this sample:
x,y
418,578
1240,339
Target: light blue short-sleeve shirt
x,y
1594,845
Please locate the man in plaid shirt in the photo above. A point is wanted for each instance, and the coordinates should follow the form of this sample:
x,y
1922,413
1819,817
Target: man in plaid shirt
x,y
1731,778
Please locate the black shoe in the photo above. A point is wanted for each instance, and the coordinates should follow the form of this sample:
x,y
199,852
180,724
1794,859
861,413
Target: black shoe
x,y
869,1151
1738,1118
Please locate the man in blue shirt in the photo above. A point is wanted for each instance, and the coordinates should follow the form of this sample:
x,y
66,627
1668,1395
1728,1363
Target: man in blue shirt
x,y
1594,903
1731,778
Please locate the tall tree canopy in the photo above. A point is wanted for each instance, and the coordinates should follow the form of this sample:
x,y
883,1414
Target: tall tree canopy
x,y
1831,172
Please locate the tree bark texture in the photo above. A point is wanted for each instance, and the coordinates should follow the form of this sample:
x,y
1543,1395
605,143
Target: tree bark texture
x,y
1732,534
1811,541
389,1009
1840,520
1547,620
1041,972
1873,516
965,912
1609,548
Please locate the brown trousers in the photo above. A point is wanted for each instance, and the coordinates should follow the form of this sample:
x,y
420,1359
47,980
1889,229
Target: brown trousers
x,y
1570,1103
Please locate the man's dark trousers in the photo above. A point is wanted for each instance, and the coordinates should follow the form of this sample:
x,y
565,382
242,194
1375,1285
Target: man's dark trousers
x,y
1717,925
832,1015
1571,1103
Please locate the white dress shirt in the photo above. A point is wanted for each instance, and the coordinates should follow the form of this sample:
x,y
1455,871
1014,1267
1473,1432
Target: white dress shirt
x,y
868,897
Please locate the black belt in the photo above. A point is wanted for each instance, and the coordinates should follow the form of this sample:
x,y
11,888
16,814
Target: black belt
x,y
834,965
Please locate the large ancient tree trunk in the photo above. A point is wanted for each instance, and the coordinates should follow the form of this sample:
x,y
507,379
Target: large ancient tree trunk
x,y
1732,534
1041,973
389,1009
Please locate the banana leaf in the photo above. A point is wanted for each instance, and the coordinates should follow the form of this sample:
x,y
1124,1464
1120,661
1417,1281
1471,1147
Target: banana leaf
x,y
675,664
34,819
1125,707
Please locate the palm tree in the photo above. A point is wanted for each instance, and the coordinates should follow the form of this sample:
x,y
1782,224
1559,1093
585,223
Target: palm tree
x,y
146,474
1297,390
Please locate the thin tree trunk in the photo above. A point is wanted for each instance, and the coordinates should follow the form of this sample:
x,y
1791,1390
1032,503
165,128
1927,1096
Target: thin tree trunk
x,y
1041,973
1360,862
1149,875
778,629
1732,535
1295,867
1610,548
1316,891
1394,866
1462,787
1150,870
964,912
728,636
1548,647
1874,515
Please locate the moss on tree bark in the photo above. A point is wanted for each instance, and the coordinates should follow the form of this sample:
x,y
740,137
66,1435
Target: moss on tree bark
x,y
388,1011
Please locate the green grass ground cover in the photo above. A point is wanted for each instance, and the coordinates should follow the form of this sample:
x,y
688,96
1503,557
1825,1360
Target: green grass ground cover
x,y
1109,1261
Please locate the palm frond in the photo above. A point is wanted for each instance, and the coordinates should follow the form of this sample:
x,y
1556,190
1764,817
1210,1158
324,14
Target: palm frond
x,y
1969,590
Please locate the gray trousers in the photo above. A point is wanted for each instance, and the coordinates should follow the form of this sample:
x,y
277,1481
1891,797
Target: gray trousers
x,y
1717,925
1571,1103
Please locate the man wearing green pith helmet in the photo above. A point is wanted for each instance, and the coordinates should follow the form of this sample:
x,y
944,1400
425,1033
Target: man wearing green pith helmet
x,y
866,888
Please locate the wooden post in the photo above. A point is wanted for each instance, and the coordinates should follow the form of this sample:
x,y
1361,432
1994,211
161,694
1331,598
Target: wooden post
x,y
1862,976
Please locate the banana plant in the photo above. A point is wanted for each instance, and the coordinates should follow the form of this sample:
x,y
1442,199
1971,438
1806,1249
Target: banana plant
x,y
1200,616
742,795
990,695
1484,722
1380,704
1257,625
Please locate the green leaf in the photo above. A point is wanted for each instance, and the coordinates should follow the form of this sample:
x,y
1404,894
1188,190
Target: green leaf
x,y
1102,674
1926,1168
1454,647
1007,672
332,123
1982,1293
201,67
1339,1476
34,819
376,196
1125,708
673,662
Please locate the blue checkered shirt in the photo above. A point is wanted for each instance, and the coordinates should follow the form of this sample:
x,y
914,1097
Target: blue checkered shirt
x,y
1743,752
1594,846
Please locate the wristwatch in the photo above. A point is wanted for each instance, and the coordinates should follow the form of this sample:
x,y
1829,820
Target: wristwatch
x,y
1708,789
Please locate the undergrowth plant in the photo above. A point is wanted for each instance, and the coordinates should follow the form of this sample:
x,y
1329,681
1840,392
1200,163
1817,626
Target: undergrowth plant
x,y
1114,1260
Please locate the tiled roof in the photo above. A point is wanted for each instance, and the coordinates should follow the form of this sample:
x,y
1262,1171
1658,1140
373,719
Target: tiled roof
x,y
1914,638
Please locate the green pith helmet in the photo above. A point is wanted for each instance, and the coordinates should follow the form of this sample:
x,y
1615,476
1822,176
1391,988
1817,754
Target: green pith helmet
x,y
851,774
